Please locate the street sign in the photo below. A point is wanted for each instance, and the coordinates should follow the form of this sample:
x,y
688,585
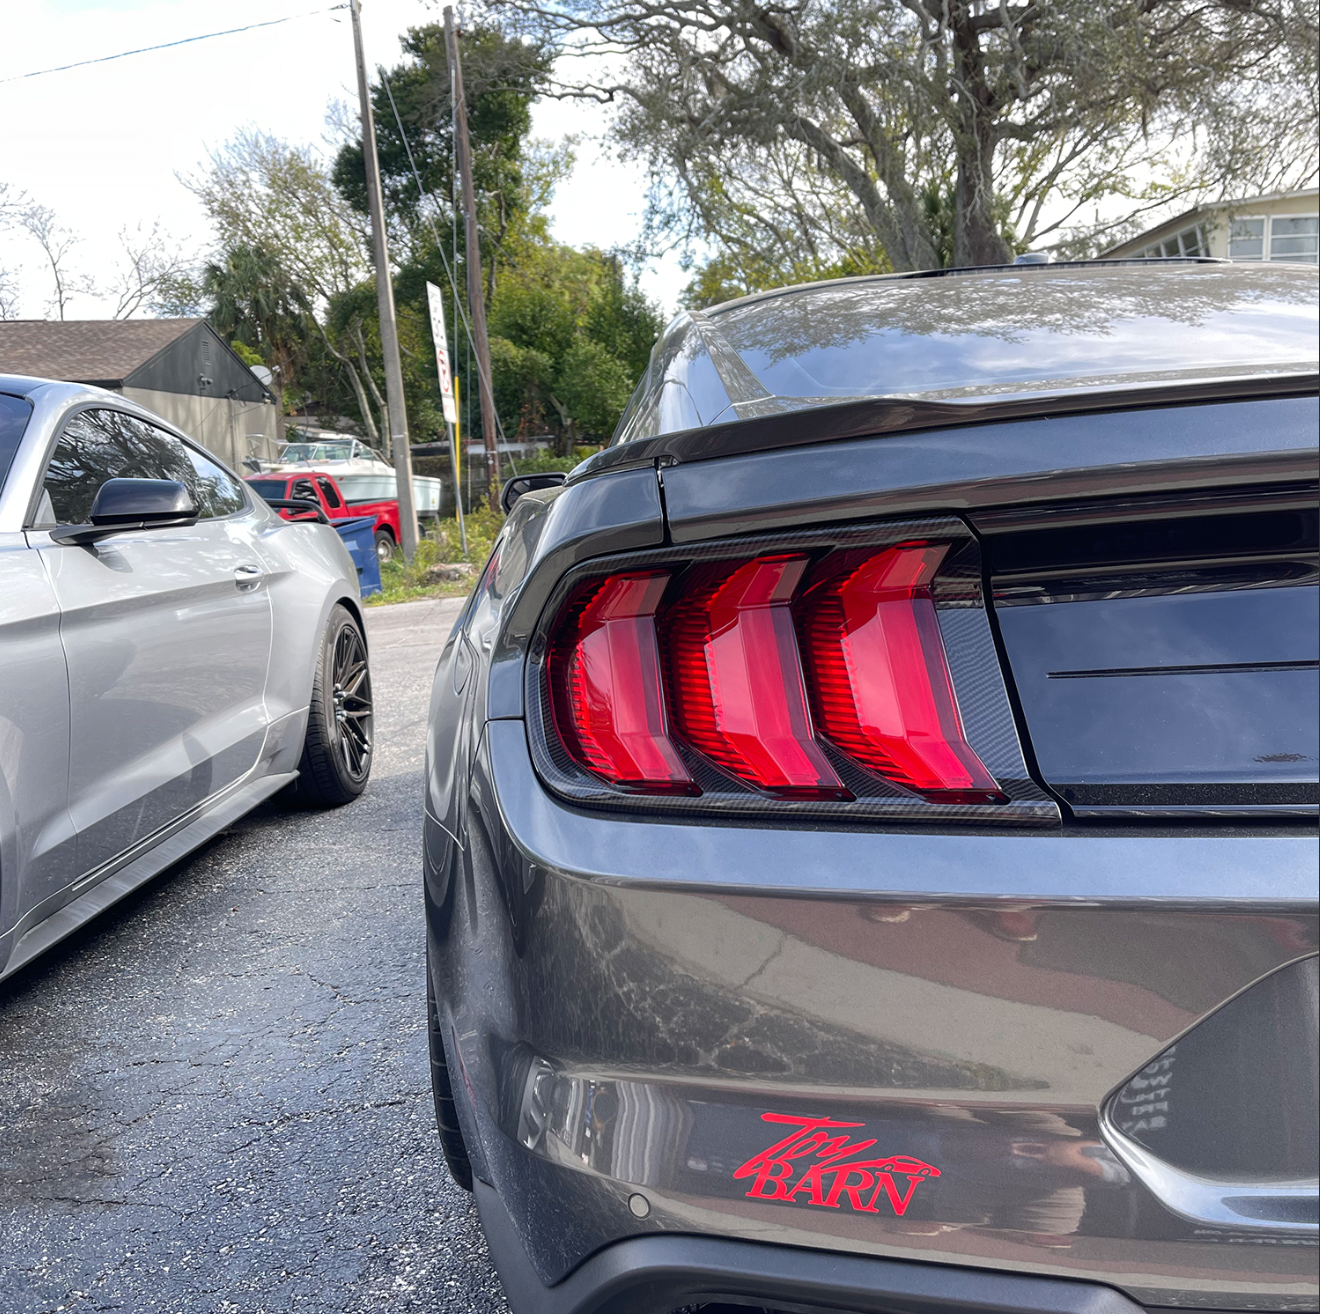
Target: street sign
x,y
437,309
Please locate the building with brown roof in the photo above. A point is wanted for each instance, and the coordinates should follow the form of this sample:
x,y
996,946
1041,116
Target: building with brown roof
x,y
181,369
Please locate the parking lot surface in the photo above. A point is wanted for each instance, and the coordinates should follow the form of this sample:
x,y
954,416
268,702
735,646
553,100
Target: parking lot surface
x,y
216,1097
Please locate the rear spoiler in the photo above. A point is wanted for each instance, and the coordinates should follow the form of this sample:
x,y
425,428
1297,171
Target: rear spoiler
x,y
880,416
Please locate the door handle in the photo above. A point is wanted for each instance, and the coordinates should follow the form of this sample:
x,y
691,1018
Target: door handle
x,y
247,577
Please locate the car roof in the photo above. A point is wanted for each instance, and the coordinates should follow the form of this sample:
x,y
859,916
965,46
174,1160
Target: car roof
x,y
979,335
977,272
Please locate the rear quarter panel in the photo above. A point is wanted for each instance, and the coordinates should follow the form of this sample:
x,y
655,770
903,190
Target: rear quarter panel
x,y
309,571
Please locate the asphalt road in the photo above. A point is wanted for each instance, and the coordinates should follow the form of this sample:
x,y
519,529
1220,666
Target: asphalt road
x,y
216,1097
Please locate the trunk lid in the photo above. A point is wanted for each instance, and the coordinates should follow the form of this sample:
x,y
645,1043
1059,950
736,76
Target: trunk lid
x,y
1164,652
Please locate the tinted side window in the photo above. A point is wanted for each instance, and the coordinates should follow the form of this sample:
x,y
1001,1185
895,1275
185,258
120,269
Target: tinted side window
x,y
14,415
331,497
99,445
215,491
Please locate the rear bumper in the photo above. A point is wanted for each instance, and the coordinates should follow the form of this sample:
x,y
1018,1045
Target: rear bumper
x,y
635,1008
659,1274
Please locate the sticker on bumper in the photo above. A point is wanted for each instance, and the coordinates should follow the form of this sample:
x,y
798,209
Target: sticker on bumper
x,y
817,1164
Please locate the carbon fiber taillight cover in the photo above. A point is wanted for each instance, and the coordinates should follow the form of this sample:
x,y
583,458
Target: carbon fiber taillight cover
x,y
973,663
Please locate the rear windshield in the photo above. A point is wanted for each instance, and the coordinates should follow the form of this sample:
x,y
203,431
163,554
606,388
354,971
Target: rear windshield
x,y
14,415
1023,331
267,488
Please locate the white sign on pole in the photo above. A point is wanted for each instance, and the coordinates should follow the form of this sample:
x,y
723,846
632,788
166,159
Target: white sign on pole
x,y
437,309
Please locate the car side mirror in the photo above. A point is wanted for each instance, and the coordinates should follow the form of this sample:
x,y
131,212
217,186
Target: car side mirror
x,y
530,483
126,504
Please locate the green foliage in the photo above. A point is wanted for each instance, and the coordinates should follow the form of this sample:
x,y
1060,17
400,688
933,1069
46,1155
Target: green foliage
x,y
256,305
570,335
570,330
591,389
245,353
403,581
551,461
501,75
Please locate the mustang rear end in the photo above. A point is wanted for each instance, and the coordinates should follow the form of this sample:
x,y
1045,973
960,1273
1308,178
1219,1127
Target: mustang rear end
x,y
870,830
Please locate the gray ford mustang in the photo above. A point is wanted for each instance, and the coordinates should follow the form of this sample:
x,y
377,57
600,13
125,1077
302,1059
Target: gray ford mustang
x,y
870,852
172,652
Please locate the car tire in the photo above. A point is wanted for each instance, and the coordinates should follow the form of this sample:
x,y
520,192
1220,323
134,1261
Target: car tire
x,y
385,547
337,752
452,1144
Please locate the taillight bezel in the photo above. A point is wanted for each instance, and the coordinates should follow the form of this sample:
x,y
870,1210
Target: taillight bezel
x,y
973,661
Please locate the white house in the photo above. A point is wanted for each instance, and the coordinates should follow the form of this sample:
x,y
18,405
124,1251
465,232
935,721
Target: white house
x,y
1281,226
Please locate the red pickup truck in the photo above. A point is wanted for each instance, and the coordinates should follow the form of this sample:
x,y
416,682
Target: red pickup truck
x,y
316,486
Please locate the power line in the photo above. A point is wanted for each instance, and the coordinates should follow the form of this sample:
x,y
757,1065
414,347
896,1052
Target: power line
x,y
124,54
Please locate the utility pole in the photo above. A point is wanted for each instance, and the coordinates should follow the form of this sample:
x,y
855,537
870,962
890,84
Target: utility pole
x,y
476,302
389,329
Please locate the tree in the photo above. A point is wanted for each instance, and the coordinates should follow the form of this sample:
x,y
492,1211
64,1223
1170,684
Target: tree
x,y
820,131
502,76
10,204
155,274
277,214
291,278
255,305
57,244
570,335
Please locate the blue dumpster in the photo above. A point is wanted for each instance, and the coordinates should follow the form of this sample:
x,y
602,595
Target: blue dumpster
x,y
359,535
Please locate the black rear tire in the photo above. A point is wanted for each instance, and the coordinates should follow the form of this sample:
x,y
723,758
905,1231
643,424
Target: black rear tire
x,y
384,546
452,1143
337,752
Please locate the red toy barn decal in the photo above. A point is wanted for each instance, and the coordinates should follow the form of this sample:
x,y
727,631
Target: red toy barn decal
x,y
834,1168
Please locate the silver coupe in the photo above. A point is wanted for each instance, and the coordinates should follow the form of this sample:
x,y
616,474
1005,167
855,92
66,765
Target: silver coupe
x,y
172,652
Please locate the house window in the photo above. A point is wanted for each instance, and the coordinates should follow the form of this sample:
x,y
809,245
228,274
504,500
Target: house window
x,y
1189,242
1293,237
1246,239
1289,237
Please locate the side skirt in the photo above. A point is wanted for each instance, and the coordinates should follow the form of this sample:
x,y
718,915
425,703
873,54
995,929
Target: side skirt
x,y
111,889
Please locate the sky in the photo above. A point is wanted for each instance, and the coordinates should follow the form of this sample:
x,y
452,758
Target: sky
x,y
103,145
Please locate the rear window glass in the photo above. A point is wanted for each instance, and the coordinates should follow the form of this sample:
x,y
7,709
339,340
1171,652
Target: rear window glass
x,y
267,487
14,415
1024,331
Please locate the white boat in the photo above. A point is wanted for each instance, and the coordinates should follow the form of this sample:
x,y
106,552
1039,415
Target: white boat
x,y
358,470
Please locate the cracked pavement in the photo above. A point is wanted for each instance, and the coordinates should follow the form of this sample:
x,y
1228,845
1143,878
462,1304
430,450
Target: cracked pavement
x,y
215,1097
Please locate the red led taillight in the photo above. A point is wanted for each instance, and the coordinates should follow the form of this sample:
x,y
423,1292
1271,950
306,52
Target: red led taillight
x,y
879,678
736,678
606,686
755,665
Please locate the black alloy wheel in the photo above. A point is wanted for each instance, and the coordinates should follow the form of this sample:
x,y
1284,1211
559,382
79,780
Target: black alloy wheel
x,y
337,752
351,694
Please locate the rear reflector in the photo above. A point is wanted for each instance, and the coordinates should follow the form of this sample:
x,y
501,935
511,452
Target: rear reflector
x,y
737,679
880,680
607,694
